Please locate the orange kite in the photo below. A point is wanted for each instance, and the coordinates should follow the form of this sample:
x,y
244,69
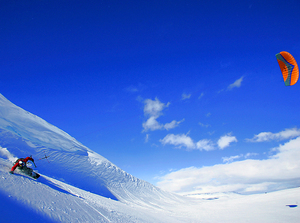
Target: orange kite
x,y
288,67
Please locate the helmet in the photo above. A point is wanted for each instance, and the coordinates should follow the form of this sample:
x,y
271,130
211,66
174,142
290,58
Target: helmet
x,y
21,163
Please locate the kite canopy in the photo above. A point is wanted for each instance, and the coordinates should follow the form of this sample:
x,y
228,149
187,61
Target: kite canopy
x,y
288,67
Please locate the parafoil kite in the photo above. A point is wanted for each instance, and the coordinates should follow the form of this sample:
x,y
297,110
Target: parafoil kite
x,y
288,67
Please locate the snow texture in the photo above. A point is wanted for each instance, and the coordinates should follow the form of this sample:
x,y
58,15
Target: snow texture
x,y
79,185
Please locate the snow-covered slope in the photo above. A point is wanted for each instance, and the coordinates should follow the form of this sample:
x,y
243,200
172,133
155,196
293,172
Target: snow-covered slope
x,y
47,200
50,200
79,185
24,134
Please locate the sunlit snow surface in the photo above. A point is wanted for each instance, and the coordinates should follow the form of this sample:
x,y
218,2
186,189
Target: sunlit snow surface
x,y
79,185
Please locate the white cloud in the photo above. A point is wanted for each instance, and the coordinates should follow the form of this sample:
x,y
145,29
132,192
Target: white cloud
x,y
152,124
248,176
283,135
183,140
172,124
205,144
178,140
225,141
235,84
153,109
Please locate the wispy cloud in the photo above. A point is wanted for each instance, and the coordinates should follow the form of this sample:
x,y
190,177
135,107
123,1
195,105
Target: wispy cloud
x,y
201,95
236,84
132,89
183,140
204,125
147,137
185,96
153,110
269,136
232,158
250,154
135,88
246,176
172,124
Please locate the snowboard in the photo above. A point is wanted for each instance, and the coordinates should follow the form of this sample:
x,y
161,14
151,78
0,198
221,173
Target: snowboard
x,y
33,174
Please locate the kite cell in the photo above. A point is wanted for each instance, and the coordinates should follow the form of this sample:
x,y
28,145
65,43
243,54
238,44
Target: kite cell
x,y
288,67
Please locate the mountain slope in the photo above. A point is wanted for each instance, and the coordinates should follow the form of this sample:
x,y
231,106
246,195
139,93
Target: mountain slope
x,y
53,200
79,185
25,134
50,200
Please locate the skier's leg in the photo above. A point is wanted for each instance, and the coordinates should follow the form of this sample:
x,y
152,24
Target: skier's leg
x,y
27,170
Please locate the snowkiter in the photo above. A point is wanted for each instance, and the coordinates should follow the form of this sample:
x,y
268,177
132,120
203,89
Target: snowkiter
x,y
21,164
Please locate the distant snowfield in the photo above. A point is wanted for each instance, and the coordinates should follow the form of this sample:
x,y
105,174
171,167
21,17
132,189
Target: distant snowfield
x,y
79,185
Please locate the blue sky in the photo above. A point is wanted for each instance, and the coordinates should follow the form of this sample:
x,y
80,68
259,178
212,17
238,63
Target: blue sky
x,y
156,87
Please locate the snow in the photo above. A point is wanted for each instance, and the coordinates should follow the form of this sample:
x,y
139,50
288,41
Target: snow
x,y
79,185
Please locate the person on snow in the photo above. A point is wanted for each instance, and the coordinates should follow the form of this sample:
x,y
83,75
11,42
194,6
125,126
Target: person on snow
x,y
21,164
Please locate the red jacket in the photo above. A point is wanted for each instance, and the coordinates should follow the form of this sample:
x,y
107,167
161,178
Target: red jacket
x,y
24,160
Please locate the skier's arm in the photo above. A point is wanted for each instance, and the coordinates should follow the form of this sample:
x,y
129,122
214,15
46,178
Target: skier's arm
x,y
29,158
32,161
14,167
